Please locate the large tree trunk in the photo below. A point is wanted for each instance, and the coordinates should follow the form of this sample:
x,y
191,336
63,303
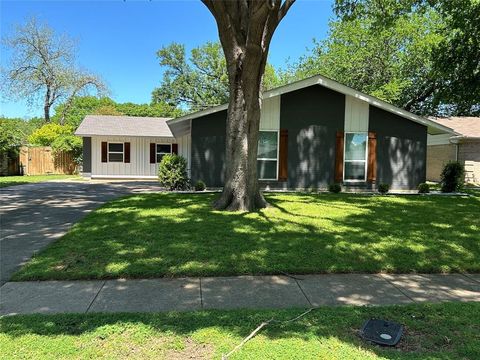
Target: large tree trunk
x,y
245,29
241,190
46,106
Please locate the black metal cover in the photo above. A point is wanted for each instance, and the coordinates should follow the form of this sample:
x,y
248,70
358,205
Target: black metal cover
x,y
382,332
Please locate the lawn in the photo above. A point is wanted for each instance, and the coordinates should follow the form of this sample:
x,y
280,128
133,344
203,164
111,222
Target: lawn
x,y
165,234
20,180
440,331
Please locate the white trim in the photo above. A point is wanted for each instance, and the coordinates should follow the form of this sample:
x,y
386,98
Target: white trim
x,y
115,152
269,159
350,161
123,177
330,84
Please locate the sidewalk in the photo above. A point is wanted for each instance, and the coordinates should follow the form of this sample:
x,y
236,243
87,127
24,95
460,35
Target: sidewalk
x,y
258,292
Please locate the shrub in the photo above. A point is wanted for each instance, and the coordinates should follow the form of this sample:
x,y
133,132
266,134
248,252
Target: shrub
x,y
334,188
200,185
452,177
423,188
172,172
47,134
383,188
69,143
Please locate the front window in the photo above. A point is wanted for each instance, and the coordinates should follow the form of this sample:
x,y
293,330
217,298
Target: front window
x,y
267,158
163,149
115,152
355,162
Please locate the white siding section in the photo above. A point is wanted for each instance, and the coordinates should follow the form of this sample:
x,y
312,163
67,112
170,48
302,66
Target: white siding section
x,y
184,149
270,116
139,166
356,115
442,139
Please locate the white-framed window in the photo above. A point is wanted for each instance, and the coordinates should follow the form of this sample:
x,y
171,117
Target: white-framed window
x,y
161,150
115,152
355,156
267,155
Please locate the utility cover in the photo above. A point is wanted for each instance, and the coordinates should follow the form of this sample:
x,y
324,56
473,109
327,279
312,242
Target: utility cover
x,y
381,332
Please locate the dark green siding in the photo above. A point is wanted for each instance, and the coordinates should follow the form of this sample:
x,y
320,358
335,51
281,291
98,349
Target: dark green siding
x,y
312,116
401,149
87,154
208,149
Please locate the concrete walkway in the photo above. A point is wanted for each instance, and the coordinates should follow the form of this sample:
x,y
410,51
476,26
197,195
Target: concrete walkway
x,y
34,215
258,292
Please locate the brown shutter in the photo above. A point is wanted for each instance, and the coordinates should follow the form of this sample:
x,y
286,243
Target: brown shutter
x,y
104,151
127,152
283,156
153,155
372,157
339,157
175,149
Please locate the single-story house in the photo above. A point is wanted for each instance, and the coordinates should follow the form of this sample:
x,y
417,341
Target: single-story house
x,y
313,132
464,147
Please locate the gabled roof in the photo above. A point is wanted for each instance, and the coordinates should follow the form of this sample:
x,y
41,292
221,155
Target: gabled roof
x,y
433,127
466,126
124,126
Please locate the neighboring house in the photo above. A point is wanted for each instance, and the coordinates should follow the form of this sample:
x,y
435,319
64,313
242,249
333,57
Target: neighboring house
x,y
464,147
313,133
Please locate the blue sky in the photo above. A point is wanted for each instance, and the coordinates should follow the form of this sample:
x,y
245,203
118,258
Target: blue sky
x,y
118,39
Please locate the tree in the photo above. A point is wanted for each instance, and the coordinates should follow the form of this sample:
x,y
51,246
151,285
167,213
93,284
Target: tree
x,y
245,29
454,75
199,82
48,133
42,66
393,63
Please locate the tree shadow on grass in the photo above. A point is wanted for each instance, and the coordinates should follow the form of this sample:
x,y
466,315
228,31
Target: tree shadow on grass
x,y
439,330
179,234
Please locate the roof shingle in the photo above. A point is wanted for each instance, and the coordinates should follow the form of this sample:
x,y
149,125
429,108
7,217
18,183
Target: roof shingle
x,y
468,126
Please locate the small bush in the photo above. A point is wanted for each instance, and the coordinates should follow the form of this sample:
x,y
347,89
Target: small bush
x,y
452,177
423,188
334,188
172,172
200,185
383,188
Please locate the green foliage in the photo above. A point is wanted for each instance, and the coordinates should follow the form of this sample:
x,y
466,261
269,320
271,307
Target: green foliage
x,y
172,172
423,188
199,81
69,143
334,188
14,132
383,188
448,82
452,177
48,133
79,107
200,186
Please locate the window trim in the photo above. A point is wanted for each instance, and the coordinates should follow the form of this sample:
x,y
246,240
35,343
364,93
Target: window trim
x,y
271,159
115,152
353,161
160,153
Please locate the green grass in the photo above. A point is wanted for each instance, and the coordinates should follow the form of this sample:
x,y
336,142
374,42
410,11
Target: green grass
x,y
6,181
153,235
440,331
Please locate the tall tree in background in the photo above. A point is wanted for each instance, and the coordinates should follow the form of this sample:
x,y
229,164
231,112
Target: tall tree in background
x,y
42,67
197,82
245,29
454,87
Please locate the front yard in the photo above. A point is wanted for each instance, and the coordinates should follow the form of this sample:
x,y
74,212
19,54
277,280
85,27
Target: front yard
x,y
154,235
440,331
6,181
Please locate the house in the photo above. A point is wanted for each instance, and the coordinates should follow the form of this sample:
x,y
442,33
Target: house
x,y
313,132
464,147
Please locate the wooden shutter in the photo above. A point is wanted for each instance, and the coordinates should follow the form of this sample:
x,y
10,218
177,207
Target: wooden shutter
x,y
283,156
372,157
175,149
339,157
127,152
104,151
153,154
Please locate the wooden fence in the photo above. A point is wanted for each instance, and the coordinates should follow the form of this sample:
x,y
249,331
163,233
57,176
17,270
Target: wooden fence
x,y
41,160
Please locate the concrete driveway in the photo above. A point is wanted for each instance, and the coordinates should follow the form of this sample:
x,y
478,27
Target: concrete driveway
x,y
34,215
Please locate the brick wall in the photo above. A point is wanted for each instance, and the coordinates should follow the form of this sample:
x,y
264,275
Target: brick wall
x,y
469,154
437,157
